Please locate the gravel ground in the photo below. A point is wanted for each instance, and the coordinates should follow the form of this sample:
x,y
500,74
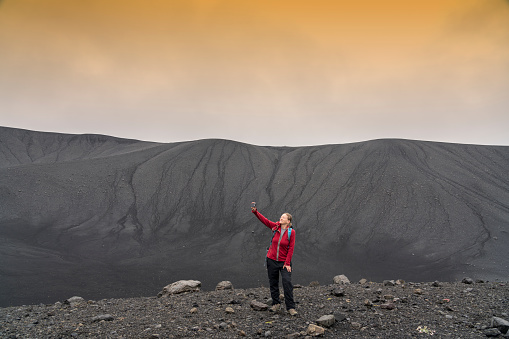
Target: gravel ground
x,y
368,310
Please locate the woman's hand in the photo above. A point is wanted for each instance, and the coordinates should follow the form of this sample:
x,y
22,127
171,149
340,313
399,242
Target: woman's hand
x,y
253,209
288,268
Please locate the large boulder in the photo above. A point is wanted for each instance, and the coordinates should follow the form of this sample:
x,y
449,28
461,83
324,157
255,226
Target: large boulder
x,y
258,306
341,279
315,330
73,301
180,286
224,285
501,324
326,320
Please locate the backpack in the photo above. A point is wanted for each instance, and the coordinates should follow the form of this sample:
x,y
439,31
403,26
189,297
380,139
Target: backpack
x,y
274,233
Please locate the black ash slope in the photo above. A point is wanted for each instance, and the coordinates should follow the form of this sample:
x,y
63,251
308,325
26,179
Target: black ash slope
x,y
105,217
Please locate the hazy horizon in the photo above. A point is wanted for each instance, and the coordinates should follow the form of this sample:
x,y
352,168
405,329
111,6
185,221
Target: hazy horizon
x,y
285,73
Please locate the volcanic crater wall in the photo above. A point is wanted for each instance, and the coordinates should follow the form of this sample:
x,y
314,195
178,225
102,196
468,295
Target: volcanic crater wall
x,y
106,217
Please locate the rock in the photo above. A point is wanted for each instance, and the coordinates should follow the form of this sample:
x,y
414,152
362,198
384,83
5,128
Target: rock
x,y
435,283
180,286
388,306
501,324
363,281
315,330
341,279
400,282
467,281
368,303
326,320
229,310
73,301
389,283
418,291
338,292
105,317
340,316
356,325
224,285
258,306
193,310
492,332
314,284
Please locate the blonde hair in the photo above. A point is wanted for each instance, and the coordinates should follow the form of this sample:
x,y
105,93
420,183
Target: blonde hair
x,y
289,216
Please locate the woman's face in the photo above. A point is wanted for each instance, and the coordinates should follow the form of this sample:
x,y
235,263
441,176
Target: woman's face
x,y
284,220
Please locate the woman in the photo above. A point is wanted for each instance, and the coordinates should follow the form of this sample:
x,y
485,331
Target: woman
x,y
279,259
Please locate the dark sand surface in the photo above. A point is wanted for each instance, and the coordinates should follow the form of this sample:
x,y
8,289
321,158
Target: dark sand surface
x,y
104,217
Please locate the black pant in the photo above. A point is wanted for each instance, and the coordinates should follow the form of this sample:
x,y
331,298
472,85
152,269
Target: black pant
x,y
273,270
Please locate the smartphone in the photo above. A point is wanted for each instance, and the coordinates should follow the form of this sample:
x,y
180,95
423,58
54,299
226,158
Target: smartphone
x,y
253,204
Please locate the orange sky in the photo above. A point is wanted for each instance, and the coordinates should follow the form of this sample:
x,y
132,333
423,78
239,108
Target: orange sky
x,y
334,71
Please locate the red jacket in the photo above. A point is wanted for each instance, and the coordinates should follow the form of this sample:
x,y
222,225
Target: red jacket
x,y
285,248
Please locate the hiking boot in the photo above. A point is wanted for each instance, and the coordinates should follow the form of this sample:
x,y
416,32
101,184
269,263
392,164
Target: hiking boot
x,y
292,311
275,308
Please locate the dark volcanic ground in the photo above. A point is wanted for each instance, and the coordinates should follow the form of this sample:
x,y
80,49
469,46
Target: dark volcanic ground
x,y
369,310
103,217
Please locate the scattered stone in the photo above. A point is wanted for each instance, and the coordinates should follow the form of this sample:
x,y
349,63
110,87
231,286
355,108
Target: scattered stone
x,y
315,330
492,332
314,284
388,306
418,291
180,286
341,279
73,301
340,317
389,283
326,320
363,281
105,317
193,310
338,292
501,324
224,285
258,306
468,281
435,283
355,325
446,311
400,282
